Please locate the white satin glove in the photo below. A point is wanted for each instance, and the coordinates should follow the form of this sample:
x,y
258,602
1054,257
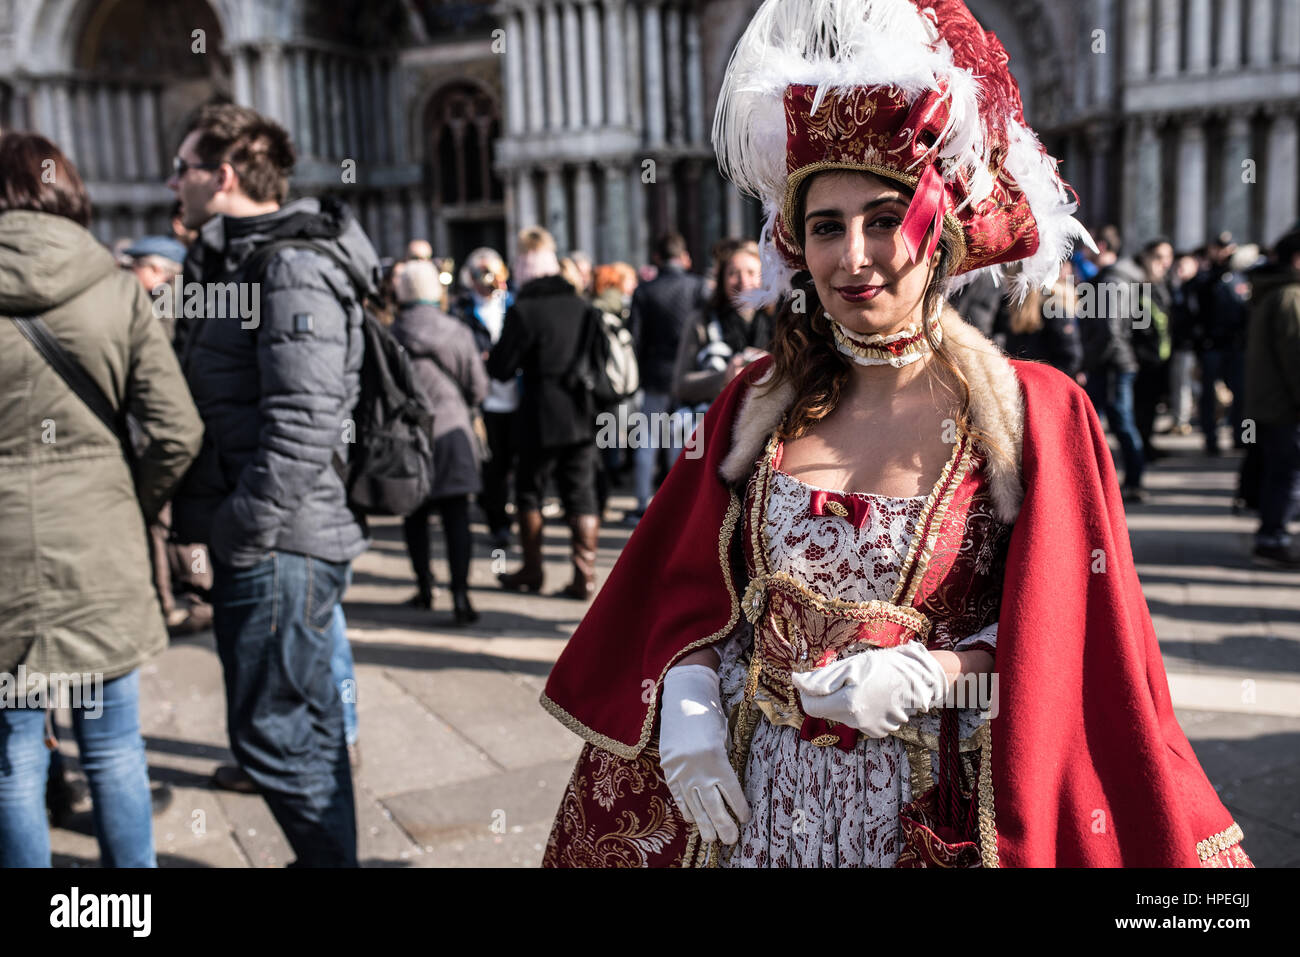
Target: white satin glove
x,y
876,691
693,753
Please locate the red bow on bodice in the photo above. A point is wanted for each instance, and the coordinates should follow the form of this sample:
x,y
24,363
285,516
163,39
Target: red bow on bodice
x,y
853,507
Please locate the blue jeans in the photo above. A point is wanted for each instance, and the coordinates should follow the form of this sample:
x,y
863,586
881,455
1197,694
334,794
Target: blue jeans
x,y
341,669
274,625
107,729
1115,390
1279,482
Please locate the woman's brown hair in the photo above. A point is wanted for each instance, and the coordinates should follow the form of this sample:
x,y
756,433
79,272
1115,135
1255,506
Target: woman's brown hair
x,y
37,177
805,355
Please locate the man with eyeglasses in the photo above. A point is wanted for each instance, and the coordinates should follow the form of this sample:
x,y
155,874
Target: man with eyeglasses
x,y
265,494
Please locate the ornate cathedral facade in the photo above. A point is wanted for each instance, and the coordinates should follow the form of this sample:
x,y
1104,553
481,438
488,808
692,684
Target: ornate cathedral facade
x,y
462,122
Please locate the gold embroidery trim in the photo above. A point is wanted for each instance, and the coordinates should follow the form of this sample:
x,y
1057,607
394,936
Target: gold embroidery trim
x,y
984,812
952,227
874,610
835,508
618,747
931,521
826,740
1216,843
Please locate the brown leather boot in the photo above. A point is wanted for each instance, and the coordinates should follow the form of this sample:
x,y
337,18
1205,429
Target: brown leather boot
x,y
586,529
530,539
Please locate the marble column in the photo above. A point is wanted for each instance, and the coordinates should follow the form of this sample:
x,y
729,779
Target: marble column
x,y
67,137
1228,36
1279,176
87,158
652,44
1259,52
242,75
126,131
395,236
1101,141
1167,37
321,114
557,206
1137,39
735,212
417,214
526,211
694,80
536,119
672,26
358,121
593,68
514,78
43,120
614,183
338,109
571,56
1146,218
632,56
150,160
584,211
395,94
270,75
1289,33
374,91
1198,36
1189,223
616,87
304,114
1104,64
1234,200
553,57
638,243
110,168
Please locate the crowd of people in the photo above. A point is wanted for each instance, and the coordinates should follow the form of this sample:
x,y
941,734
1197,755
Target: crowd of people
x,y
1211,336
228,442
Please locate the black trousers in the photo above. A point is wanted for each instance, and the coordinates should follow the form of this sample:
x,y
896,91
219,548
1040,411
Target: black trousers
x,y
574,469
496,471
454,512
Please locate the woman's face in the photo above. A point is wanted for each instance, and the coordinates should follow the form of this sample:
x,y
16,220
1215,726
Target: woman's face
x,y
743,273
855,252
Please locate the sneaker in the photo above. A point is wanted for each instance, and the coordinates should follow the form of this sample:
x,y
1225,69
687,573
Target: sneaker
x,y
1276,556
1134,494
231,777
632,517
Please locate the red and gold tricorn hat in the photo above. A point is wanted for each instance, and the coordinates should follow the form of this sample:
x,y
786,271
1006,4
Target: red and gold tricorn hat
x,y
914,91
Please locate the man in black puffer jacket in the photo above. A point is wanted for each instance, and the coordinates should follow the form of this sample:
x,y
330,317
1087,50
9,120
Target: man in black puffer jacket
x,y
662,310
275,385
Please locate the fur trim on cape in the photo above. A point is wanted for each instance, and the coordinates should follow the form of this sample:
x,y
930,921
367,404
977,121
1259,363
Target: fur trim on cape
x,y
997,407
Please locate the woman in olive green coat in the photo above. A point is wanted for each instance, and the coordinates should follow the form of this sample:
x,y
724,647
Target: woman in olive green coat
x,y
78,611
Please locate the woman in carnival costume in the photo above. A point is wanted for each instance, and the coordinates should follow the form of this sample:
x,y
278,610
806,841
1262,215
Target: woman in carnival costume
x,y
890,616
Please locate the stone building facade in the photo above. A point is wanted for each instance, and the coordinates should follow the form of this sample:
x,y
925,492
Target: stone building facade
x,y
464,120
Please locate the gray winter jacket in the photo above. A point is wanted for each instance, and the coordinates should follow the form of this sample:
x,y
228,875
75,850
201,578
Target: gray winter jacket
x,y
276,390
450,371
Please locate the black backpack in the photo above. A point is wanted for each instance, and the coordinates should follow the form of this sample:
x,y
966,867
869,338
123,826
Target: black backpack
x,y
390,470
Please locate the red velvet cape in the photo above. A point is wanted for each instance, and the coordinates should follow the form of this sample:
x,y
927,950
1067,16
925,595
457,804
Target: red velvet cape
x,y
1090,766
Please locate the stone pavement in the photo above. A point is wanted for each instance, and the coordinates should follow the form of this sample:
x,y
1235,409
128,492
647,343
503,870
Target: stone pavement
x,y
461,767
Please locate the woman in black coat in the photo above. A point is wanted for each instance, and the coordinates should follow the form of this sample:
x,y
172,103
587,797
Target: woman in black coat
x,y
450,370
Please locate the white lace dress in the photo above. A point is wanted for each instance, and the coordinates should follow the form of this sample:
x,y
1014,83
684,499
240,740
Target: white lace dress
x,y
823,806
